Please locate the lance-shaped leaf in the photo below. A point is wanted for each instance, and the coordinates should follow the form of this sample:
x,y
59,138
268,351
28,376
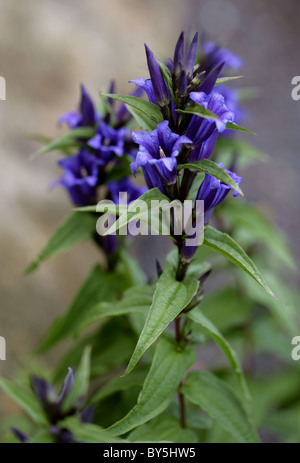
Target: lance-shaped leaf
x,y
199,110
89,433
227,247
225,80
81,382
167,77
143,120
68,140
25,399
233,126
197,316
147,108
218,400
135,300
99,286
167,370
74,229
163,429
170,298
211,168
136,379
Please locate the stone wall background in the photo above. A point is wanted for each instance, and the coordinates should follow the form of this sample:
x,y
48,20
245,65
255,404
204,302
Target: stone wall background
x,y
46,49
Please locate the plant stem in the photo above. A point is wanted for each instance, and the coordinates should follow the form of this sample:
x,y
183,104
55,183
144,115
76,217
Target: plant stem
x,y
182,408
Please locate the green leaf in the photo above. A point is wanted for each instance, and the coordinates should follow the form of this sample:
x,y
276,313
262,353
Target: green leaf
x,y
231,126
68,140
139,209
74,229
217,399
130,269
89,433
230,353
199,110
284,310
97,287
211,168
167,370
25,399
148,109
247,217
167,77
163,428
136,299
144,121
170,298
136,379
227,308
42,437
227,247
247,152
81,381
225,80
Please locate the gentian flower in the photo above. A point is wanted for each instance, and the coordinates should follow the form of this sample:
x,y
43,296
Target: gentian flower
x,y
212,191
157,155
200,129
125,186
81,177
52,404
108,142
85,117
214,55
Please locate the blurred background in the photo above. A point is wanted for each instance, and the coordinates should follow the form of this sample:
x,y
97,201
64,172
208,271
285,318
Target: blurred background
x,y
46,50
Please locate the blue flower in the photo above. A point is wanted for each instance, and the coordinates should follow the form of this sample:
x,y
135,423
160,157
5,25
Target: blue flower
x,y
214,55
108,142
80,178
212,191
85,117
157,155
125,185
199,129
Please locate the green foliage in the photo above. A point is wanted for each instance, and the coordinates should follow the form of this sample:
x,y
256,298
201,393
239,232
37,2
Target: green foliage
x,y
69,140
214,396
211,168
168,367
227,247
74,229
170,298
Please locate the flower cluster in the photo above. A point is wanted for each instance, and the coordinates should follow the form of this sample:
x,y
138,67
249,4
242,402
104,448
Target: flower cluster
x,y
55,407
182,136
109,143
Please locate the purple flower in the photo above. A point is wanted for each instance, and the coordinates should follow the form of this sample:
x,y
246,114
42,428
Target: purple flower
x,y
157,155
214,55
80,178
108,142
160,88
212,191
231,96
132,191
200,129
86,116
